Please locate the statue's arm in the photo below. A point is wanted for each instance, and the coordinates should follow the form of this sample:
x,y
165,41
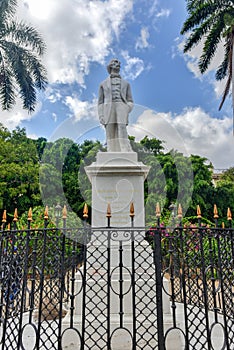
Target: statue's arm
x,y
101,105
101,95
129,97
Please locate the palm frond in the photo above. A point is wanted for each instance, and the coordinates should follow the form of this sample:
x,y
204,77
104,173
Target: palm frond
x,y
202,12
193,4
210,45
7,95
230,74
36,69
7,9
196,35
226,91
26,36
223,68
18,61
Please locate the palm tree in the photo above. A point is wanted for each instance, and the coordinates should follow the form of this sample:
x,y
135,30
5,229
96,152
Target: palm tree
x,y
213,21
21,71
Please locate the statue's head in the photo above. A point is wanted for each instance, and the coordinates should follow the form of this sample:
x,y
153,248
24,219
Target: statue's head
x,y
114,65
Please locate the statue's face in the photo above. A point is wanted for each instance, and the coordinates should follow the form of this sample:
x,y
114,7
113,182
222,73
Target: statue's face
x,y
115,65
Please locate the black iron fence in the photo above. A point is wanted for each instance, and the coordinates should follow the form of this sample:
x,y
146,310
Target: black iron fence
x,y
117,288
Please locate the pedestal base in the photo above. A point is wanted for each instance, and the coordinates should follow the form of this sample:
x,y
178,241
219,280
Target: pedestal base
x,y
118,179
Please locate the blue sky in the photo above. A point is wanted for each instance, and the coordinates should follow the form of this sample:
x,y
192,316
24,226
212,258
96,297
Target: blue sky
x,y
173,102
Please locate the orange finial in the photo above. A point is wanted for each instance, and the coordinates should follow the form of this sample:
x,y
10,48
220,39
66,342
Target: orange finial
x,y
46,213
85,211
15,215
132,210
216,212
30,214
198,212
108,212
158,210
180,211
4,216
64,212
229,214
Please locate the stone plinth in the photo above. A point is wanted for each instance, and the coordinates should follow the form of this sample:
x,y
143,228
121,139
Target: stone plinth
x,y
118,179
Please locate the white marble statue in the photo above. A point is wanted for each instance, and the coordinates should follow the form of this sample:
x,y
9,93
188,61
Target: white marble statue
x,y
114,105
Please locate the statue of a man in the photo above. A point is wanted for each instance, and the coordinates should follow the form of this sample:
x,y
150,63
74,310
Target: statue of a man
x,y
114,105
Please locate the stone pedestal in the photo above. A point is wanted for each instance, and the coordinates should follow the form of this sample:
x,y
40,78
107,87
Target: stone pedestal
x,y
118,179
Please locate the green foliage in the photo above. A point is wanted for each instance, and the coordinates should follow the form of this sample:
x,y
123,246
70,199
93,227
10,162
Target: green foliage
x,y
212,21
19,177
21,70
37,172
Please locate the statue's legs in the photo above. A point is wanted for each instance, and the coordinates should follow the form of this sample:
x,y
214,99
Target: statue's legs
x,y
116,130
112,138
124,143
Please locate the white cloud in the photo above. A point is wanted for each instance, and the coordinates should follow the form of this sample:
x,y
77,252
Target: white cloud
x,y
192,58
163,13
76,32
13,118
142,40
134,66
191,132
82,110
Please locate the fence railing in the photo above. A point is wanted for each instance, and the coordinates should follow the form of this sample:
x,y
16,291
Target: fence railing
x,y
38,268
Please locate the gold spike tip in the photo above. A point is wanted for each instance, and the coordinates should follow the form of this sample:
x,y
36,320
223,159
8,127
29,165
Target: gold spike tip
x,y
46,213
64,212
108,212
229,214
4,216
85,211
198,212
132,210
216,212
30,214
158,210
15,215
223,225
180,211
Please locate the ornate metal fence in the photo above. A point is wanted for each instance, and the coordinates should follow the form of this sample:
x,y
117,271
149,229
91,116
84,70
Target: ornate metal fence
x,y
117,288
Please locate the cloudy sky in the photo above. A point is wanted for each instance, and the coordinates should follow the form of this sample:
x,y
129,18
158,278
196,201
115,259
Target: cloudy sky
x,y
172,101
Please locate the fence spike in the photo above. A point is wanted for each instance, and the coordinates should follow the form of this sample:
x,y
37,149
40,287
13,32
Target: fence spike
x,y
85,211
15,215
158,210
30,214
223,225
229,214
108,212
132,210
46,213
180,211
216,212
199,212
4,217
64,212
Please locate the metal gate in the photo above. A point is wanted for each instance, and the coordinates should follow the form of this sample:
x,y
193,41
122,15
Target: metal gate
x,y
117,288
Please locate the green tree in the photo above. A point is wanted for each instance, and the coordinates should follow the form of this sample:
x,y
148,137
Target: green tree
x,y
19,177
213,21
21,70
203,189
228,175
224,193
153,145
